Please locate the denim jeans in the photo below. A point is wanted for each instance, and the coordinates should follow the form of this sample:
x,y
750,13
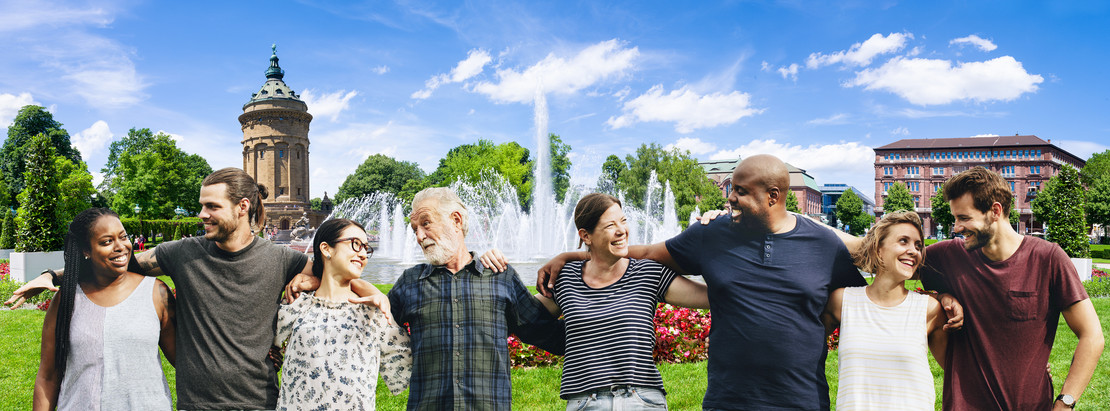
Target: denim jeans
x,y
618,398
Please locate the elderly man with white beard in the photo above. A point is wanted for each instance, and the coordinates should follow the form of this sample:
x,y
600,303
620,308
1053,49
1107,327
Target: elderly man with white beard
x,y
460,314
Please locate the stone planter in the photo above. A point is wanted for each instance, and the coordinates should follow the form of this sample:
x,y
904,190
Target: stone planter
x,y
1083,266
5,253
27,266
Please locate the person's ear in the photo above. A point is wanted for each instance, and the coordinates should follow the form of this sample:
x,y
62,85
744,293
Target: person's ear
x,y
244,206
325,249
773,196
584,237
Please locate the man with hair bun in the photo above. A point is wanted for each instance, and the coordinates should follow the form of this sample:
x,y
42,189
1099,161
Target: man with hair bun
x,y
229,286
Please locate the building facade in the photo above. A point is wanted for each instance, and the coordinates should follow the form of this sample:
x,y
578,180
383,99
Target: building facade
x,y
830,194
806,190
1026,162
275,126
720,173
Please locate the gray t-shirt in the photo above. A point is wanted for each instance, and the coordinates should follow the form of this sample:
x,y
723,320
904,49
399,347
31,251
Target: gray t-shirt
x,y
227,306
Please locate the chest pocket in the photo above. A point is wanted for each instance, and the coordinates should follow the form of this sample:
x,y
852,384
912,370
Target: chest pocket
x,y
1023,305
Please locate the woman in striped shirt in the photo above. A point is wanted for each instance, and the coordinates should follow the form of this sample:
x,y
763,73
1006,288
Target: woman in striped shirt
x,y
609,303
886,331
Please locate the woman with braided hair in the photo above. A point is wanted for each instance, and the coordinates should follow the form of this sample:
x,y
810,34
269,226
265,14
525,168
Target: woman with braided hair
x,y
102,331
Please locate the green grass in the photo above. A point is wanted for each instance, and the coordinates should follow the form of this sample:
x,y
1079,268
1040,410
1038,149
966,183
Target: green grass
x,y
534,388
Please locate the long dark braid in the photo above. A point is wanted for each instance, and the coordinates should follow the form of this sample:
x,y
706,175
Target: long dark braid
x,y
77,269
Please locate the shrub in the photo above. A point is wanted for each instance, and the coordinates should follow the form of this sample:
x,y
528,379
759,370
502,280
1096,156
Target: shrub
x,y
40,228
1098,285
7,234
7,287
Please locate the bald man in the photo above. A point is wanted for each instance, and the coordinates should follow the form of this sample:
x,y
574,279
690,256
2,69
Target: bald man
x,y
769,275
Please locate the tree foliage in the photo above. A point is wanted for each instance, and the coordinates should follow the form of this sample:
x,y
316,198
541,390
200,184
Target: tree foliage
x,y
687,179
7,234
849,210
28,124
75,187
379,173
610,172
942,212
159,179
792,202
1096,167
560,166
1096,177
136,141
40,228
466,162
898,198
1061,207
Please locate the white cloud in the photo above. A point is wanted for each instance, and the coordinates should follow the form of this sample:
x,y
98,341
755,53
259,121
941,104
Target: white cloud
x,y
850,163
594,64
765,66
28,15
838,118
928,81
694,145
10,105
379,70
471,66
981,43
686,108
328,104
176,137
789,71
1081,149
622,93
985,135
93,139
900,131
861,54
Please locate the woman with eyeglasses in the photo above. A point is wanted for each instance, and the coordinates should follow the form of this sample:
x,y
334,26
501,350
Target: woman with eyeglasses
x,y
336,349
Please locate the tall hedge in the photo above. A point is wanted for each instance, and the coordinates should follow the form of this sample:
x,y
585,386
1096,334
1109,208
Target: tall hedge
x,y
7,234
1061,206
167,228
40,229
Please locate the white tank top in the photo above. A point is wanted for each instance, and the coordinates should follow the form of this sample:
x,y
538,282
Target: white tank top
x,y
884,363
113,361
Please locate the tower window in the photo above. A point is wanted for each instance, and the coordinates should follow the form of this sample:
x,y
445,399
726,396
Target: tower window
x,y
261,154
281,153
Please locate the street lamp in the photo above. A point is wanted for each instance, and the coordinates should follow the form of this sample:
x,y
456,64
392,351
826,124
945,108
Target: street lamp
x,y
179,211
138,209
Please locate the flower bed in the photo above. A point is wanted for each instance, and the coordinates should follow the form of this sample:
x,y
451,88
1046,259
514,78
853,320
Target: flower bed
x,y
1099,284
7,287
681,335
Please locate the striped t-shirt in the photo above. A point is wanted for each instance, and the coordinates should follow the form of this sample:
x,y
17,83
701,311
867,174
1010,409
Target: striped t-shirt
x,y
610,330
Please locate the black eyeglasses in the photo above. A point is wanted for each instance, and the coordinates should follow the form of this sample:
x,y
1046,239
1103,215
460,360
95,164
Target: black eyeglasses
x,y
358,244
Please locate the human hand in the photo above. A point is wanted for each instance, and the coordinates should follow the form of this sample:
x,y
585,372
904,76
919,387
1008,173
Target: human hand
x,y
494,260
277,356
301,282
546,275
377,300
954,310
31,289
708,216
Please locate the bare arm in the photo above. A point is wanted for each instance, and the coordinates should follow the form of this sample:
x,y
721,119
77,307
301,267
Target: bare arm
x,y
369,294
545,278
166,305
31,289
685,292
938,336
550,305
831,316
147,265
47,381
304,281
953,310
1083,321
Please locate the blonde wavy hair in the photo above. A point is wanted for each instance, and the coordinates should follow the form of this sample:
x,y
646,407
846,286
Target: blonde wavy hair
x,y
867,257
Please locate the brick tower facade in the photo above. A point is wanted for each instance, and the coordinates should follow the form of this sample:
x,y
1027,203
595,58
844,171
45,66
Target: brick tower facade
x,y
275,151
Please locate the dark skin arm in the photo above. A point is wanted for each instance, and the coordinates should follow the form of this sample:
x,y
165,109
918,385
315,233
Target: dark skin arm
x,y
47,382
166,305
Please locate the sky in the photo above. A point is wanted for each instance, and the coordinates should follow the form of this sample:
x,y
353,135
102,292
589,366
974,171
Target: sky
x,y
818,84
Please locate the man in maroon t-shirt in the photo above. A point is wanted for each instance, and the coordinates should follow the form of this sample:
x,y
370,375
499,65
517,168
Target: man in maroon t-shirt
x,y
1013,289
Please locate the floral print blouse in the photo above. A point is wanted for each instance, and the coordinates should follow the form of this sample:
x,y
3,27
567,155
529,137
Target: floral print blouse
x,y
335,353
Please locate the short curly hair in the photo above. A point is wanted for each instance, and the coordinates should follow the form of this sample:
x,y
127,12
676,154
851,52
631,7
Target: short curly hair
x,y
867,256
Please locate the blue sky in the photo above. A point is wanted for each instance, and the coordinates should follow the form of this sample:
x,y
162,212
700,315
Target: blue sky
x,y
816,83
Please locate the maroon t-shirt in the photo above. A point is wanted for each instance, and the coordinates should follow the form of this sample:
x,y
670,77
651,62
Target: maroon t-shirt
x,y
1011,310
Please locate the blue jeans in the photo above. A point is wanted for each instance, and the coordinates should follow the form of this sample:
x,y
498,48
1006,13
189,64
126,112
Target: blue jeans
x,y
618,398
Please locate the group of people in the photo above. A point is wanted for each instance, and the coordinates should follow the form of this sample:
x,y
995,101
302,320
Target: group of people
x,y
777,284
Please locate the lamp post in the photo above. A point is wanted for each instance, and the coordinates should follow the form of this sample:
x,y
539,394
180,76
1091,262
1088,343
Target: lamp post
x,y
138,209
179,211
939,235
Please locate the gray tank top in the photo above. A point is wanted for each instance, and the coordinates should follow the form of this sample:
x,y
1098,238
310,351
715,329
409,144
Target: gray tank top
x,y
113,361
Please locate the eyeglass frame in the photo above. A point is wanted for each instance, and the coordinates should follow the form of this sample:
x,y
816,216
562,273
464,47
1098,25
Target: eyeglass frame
x,y
365,244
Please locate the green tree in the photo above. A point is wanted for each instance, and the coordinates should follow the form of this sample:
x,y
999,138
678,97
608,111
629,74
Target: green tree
x,y
1015,217
379,173
560,166
1061,207
75,186
1098,202
687,178
942,213
316,203
792,202
466,162
29,123
136,141
40,229
1096,167
849,210
898,198
610,173
159,179
7,235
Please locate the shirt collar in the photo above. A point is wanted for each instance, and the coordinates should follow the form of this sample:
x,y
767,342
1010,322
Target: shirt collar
x,y
475,267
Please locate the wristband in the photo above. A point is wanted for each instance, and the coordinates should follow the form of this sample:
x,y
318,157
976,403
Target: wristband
x,y
54,279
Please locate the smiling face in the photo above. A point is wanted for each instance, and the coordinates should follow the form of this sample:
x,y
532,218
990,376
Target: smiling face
x,y
220,216
976,226
343,261
610,237
900,251
749,201
109,248
439,236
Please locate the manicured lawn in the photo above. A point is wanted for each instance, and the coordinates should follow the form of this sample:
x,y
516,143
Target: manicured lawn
x,y
533,389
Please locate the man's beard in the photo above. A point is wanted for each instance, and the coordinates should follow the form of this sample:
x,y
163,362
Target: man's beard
x,y
979,238
749,221
222,233
440,251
